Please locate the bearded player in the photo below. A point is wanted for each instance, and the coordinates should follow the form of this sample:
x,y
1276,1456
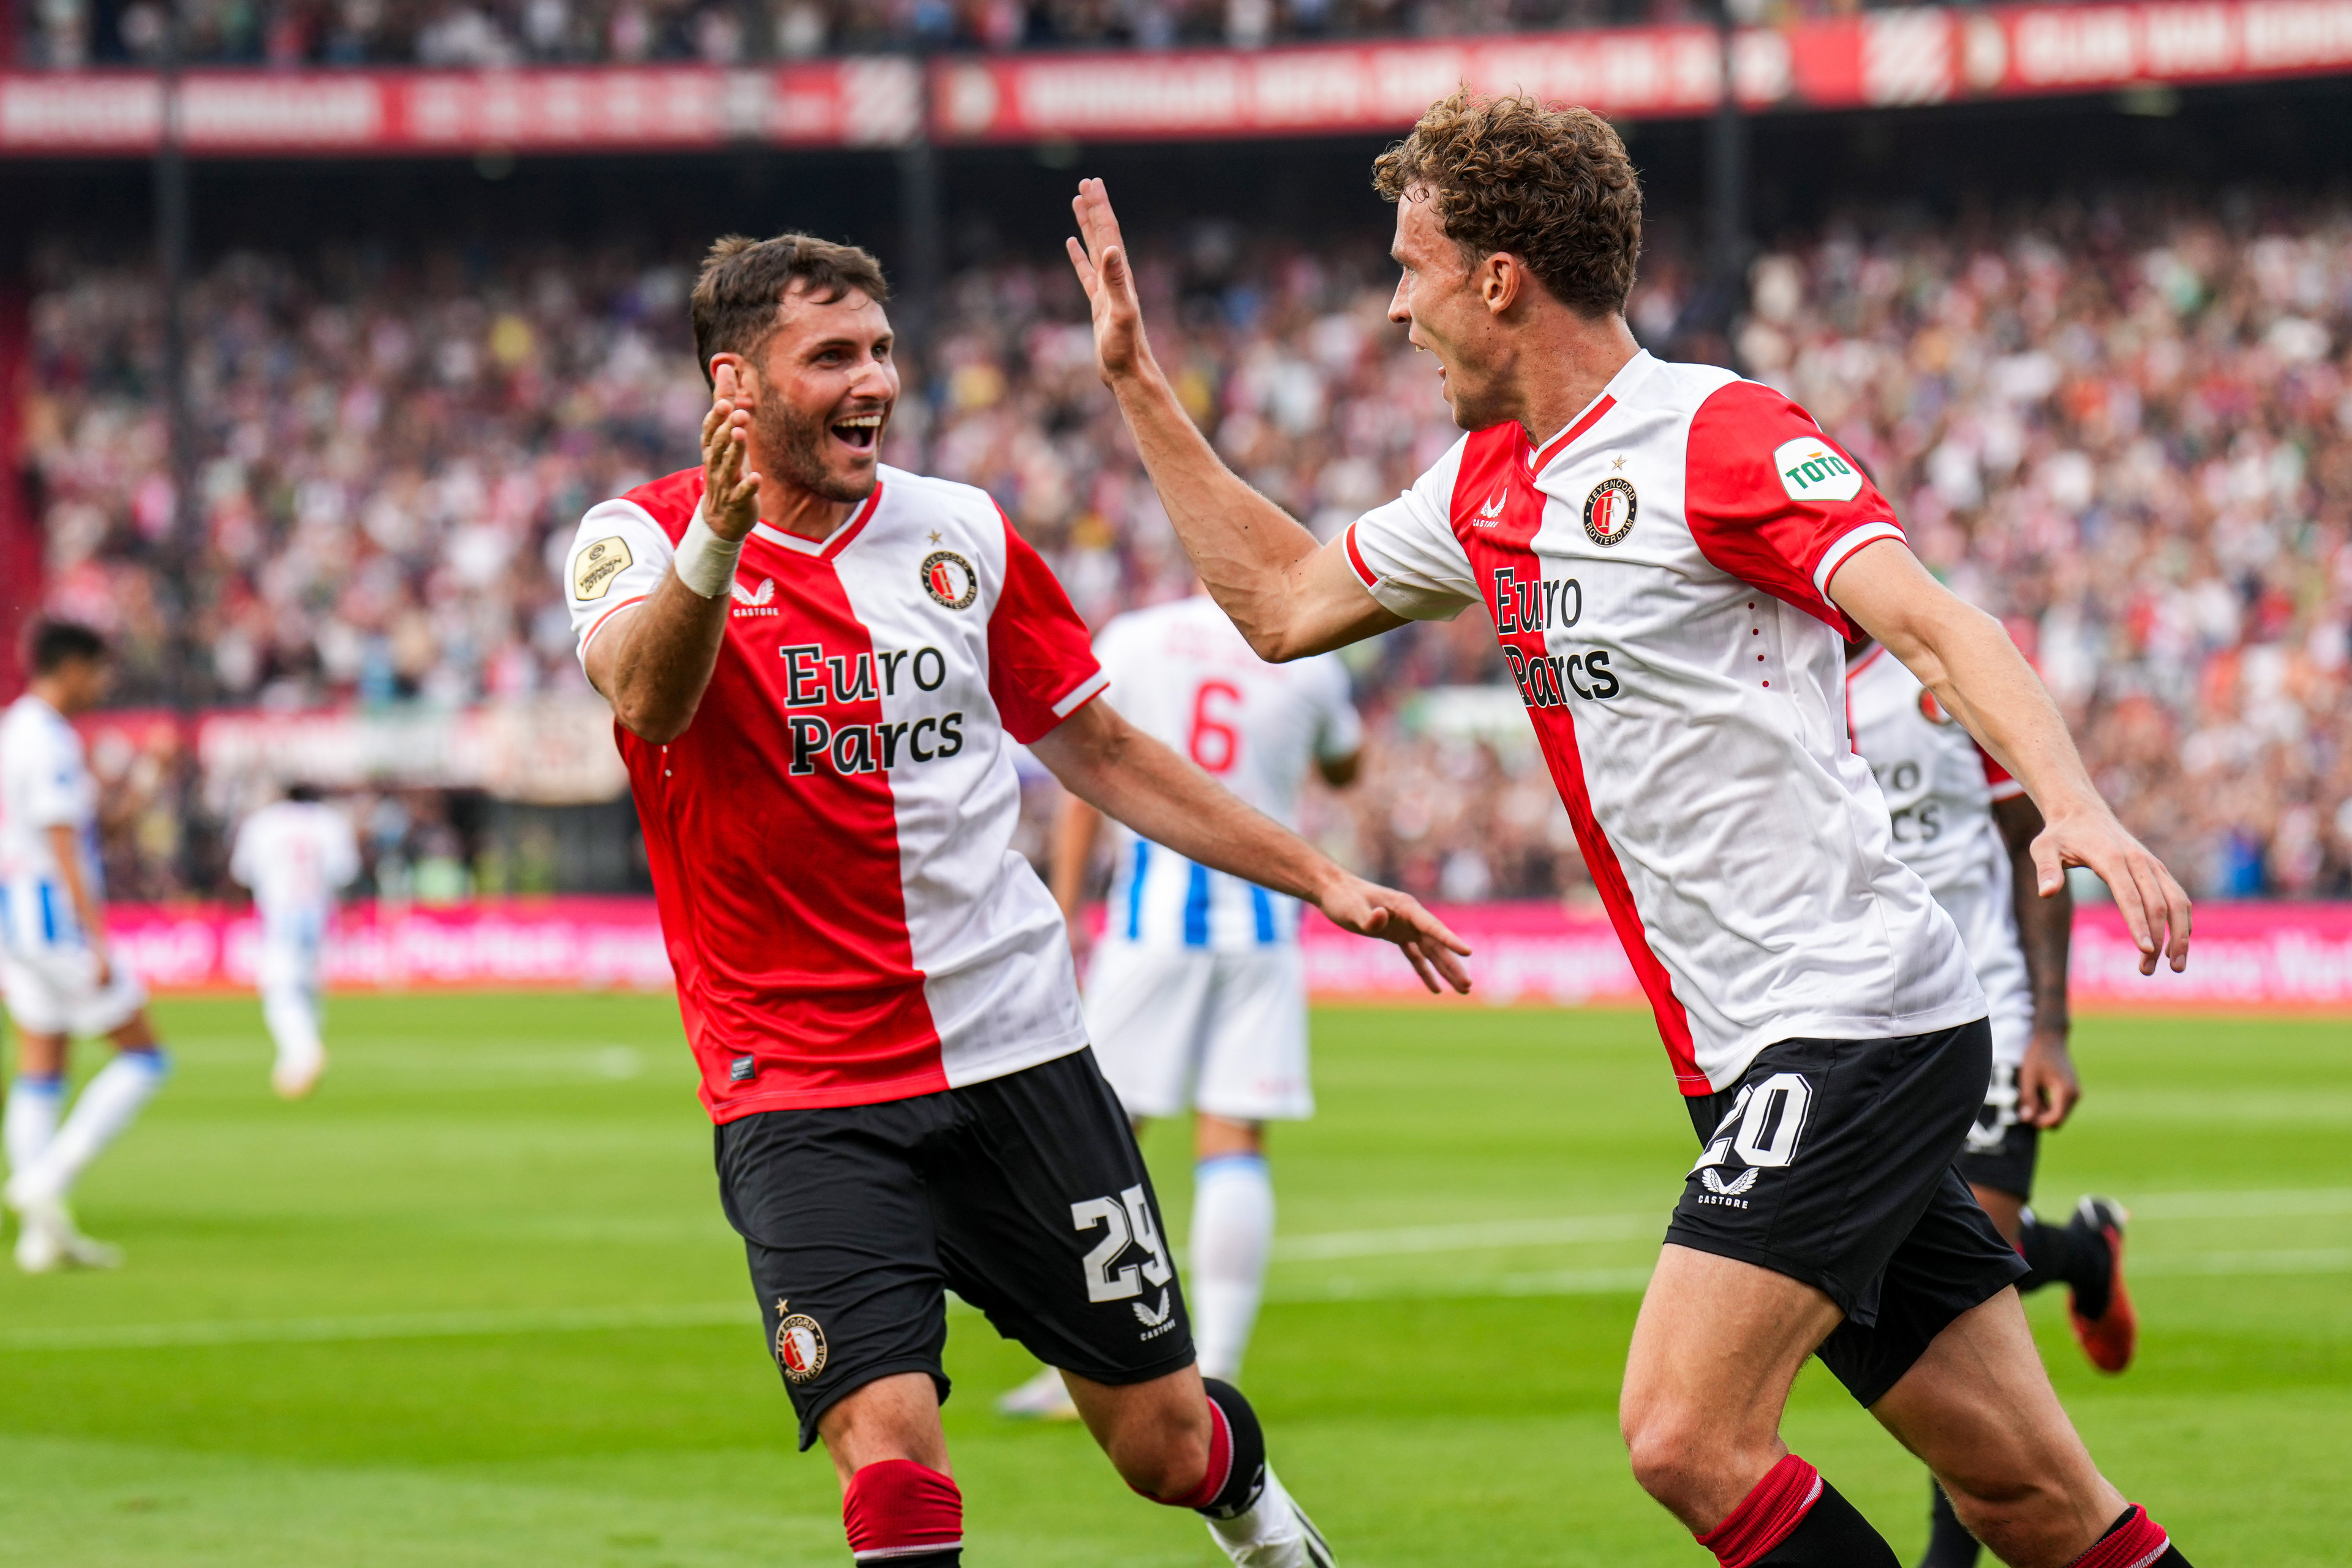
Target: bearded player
x,y
1197,997
1673,559
1967,828
819,668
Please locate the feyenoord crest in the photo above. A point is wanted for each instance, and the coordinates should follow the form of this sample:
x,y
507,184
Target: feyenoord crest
x,y
950,580
1609,511
800,1343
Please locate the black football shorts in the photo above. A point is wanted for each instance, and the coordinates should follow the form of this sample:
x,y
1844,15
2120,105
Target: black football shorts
x,y
1026,1196
1831,1162
2000,1152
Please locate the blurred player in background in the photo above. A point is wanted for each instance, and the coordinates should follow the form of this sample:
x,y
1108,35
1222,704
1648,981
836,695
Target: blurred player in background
x,y
819,668
1967,828
60,980
1197,997
295,854
1674,558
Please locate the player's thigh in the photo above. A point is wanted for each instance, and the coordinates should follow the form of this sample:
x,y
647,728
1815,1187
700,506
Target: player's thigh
x,y
1254,1059
1977,1406
1146,1011
844,1255
1048,1224
1717,1344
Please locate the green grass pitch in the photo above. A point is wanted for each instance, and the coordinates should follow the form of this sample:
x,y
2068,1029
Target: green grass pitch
x,y
475,1305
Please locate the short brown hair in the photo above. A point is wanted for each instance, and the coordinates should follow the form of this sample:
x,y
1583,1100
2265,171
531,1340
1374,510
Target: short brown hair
x,y
1551,186
744,280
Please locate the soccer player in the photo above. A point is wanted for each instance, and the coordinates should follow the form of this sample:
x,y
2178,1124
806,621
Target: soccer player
x,y
1967,828
1674,558
1197,997
59,977
819,668
295,854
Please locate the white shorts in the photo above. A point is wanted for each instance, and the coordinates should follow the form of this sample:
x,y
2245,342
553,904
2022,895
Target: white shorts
x,y
293,957
1224,1033
54,991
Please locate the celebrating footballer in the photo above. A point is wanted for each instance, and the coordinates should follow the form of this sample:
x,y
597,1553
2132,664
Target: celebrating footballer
x,y
1674,559
820,669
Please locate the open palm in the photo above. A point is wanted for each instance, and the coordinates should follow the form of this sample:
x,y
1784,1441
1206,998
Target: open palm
x,y
1099,256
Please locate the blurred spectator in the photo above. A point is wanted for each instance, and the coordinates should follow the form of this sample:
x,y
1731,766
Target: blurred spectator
x,y
2127,432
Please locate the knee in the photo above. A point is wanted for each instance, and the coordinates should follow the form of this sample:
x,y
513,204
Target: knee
x,y
1163,1461
1672,1452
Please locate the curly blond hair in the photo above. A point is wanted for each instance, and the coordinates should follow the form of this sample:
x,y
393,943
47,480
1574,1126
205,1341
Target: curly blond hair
x,y
1550,186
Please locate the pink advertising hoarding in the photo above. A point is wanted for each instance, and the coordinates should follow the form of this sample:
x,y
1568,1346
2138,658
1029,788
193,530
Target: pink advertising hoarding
x,y
2267,955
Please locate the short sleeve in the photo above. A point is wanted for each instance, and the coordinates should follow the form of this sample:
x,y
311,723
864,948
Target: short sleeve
x,y
51,793
1339,728
1041,663
1406,554
617,559
1775,503
1998,779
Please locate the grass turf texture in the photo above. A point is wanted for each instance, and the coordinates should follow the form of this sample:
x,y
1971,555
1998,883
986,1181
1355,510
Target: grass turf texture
x,y
475,1305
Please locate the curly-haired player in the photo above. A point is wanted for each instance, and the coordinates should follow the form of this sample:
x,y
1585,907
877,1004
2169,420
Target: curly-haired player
x,y
1674,559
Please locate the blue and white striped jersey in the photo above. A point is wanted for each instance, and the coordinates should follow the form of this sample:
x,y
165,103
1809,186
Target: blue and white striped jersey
x,y
1180,673
43,783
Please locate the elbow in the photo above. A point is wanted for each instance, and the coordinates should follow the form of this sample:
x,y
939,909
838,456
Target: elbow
x,y
1277,644
652,728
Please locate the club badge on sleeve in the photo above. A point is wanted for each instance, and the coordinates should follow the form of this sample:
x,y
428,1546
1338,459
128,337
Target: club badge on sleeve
x,y
800,1343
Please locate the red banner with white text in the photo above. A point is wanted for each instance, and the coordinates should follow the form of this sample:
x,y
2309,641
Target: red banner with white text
x,y
2294,956
1907,56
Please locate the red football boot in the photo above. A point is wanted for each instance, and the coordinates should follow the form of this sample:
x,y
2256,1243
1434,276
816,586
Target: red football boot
x,y
2110,1338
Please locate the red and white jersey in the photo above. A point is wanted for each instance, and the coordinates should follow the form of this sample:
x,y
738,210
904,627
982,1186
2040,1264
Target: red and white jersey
x,y
1940,786
831,838
1659,577
1186,677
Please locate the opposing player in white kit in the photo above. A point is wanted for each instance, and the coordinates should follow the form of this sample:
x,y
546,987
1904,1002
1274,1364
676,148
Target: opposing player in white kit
x,y
1197,995
1673,559
295,854
1967,828
60,979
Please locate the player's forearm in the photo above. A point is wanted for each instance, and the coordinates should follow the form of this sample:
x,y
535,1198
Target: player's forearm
x,y
1132,778
1076,828
2045,926
1251,556
653,662
65,848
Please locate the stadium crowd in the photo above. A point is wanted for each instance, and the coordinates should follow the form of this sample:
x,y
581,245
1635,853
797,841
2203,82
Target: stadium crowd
x,y
2125,430
69,34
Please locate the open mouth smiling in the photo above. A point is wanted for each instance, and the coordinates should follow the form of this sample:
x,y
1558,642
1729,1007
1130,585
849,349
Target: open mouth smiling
x,y
859,431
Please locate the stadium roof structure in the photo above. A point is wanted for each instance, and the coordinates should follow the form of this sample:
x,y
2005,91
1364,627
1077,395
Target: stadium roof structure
x,y
1916,56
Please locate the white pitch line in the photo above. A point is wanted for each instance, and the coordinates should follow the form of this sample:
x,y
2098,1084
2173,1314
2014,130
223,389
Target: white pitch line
x,y
402,1326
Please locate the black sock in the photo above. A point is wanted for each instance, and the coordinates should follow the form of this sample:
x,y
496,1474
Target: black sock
x,y
1245,1478
1831,1535
951,1557
2074,1253
1950,1545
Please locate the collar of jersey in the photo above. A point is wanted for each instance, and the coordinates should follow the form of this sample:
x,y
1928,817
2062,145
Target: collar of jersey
x,y
833,543
1627,373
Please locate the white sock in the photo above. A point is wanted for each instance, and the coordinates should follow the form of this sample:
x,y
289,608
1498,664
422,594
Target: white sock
x,y
1233,1233
107,1104
293,1023
1274,1518
34,1101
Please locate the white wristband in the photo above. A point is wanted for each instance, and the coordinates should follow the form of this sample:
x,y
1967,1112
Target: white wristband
x,y
706,562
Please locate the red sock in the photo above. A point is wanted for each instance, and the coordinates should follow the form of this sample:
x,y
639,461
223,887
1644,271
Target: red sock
x,y
1220,1466
2134,1542
898,1508
1773,1508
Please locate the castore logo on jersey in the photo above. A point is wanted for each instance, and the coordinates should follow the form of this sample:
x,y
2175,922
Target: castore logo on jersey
x,y
757,601
1492,512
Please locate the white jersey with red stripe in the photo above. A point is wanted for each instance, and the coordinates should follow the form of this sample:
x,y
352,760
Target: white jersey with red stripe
x,y
1184,676
831,838
1659,575
1940,787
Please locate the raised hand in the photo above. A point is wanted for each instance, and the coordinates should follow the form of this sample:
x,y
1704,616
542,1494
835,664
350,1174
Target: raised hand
x,y
2155,906
1368,908
730,491
1108,279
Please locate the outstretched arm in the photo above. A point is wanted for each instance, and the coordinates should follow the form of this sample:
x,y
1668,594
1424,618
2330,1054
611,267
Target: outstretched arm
x,y
1289,595
1964,656
652,661
1125,774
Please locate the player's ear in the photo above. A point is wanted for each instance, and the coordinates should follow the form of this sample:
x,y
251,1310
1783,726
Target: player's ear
x,y
1500,279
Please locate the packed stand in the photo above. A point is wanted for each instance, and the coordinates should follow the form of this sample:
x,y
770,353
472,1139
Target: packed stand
x,y
2128,433
70,33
